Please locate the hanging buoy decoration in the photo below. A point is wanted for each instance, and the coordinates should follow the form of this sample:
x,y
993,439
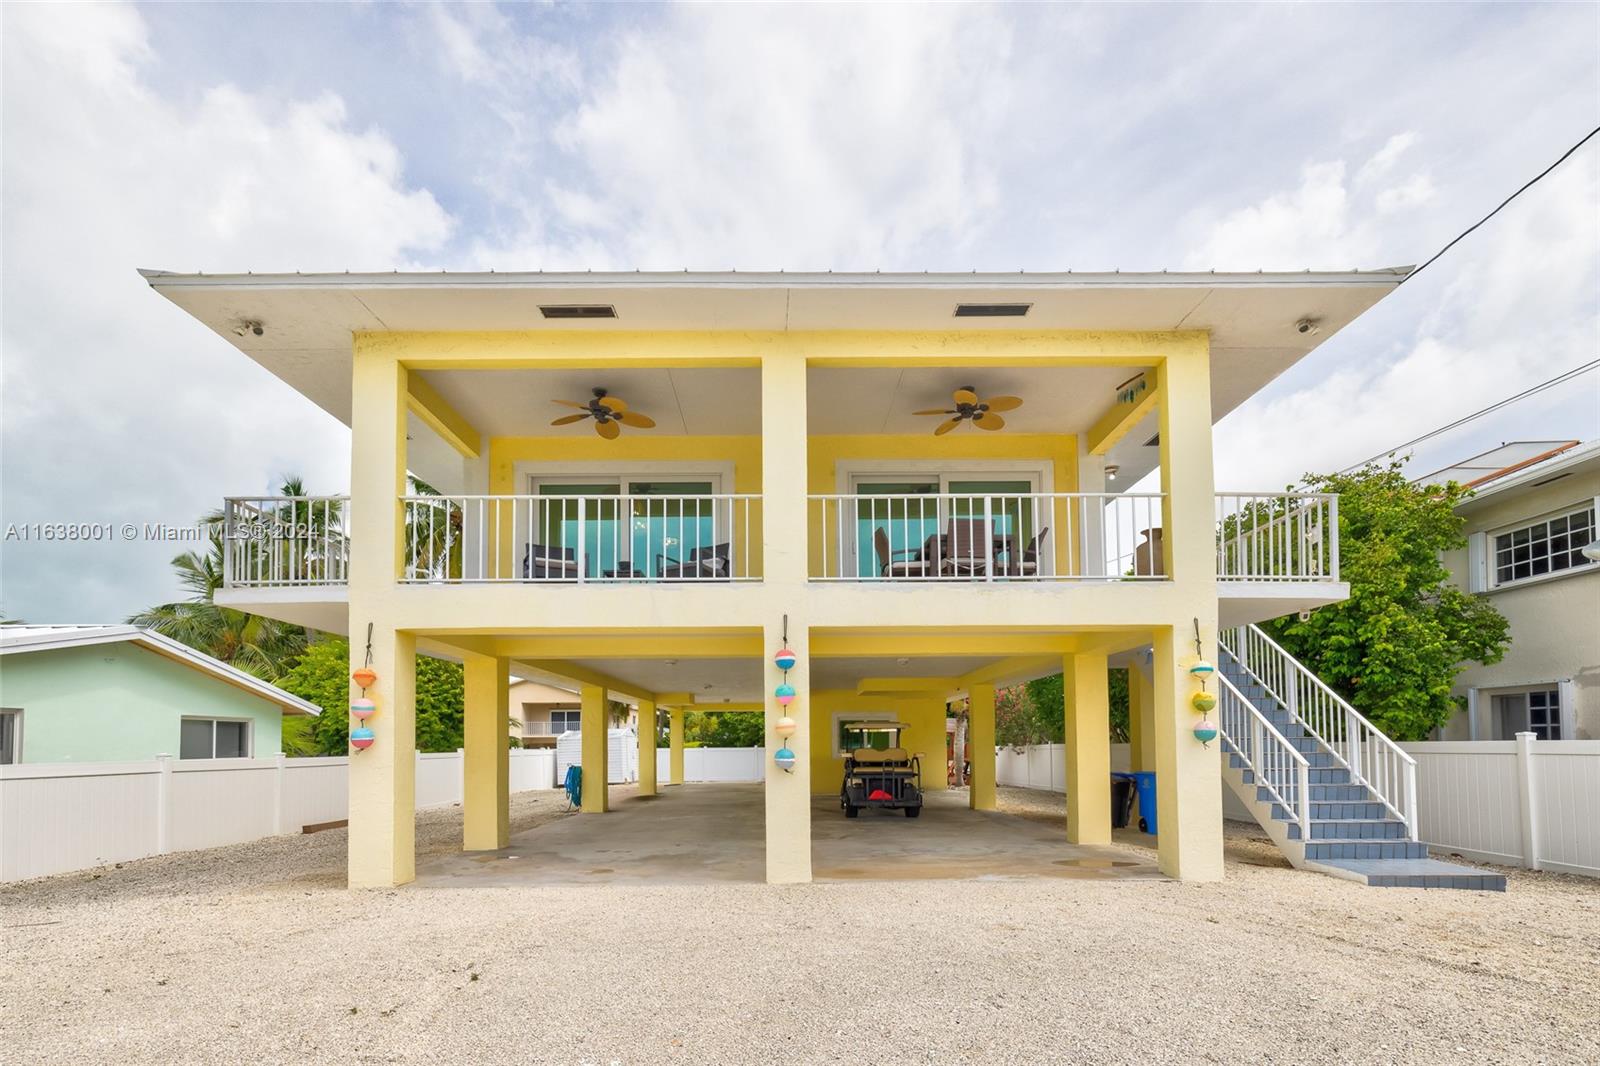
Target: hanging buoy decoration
x,y
364,678
784,694
785,760
362,709
785,727
785,659
361,738
1205,731
1202,669
1204,702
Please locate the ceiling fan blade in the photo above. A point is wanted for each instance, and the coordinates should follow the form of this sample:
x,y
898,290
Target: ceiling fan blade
x,y
988,420
608,430
946,427
571,403
567,420
936,411
1004,403
962,396
636,420
616,403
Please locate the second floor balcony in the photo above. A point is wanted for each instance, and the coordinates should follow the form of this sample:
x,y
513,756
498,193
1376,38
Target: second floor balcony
x,y
884,534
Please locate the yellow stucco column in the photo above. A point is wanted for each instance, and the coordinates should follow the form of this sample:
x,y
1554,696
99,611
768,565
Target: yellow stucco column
x,y
1088,748
1141,716
675,746
647,748
784,537
486,764
382,847
980,736
596,730
1188,774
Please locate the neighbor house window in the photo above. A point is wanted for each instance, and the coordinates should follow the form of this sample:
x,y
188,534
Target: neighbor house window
x,y
1544,713
10,736
1545,547
214,738
565,721
1536,711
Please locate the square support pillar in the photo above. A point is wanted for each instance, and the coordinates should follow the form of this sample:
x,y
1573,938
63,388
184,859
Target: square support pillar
x,y
1188,774
382,800
1088,748
980,738
486,764
596,734
788,792
1141,715
383,778
675,746
647,748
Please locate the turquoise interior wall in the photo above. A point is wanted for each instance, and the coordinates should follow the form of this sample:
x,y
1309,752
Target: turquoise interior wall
x,y
120,702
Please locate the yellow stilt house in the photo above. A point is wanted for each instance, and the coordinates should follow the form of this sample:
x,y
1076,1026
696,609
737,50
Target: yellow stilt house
x,y
642,485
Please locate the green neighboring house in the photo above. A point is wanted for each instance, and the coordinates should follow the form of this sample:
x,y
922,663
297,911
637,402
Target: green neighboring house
x,y
118,693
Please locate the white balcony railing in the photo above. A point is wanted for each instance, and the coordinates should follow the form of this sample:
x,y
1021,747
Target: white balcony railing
x,y
303,540
1037,536
1285,536
285,541
614,538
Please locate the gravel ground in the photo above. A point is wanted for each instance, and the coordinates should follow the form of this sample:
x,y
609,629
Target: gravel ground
x,y
256,953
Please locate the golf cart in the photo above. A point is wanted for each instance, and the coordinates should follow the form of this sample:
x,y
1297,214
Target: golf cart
x,y
880,773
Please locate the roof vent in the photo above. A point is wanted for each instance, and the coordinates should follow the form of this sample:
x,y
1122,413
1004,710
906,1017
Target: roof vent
x,y
991,310
577,311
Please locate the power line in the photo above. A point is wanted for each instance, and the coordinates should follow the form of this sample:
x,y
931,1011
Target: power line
x,y
1534,181
1552,383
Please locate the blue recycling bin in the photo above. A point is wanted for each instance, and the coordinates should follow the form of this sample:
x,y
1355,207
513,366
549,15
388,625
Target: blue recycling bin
x,y
1144,784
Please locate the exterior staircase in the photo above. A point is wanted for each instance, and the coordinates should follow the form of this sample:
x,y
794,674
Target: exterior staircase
x,y
1332,792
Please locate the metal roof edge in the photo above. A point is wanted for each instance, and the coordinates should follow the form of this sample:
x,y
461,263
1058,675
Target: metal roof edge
x,y
162,279
1563,460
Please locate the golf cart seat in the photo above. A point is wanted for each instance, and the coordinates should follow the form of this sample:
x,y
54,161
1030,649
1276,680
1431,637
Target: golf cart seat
x,y
868,756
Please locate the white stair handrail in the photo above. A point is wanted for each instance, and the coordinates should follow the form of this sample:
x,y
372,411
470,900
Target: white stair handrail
x,y
1371,757
1279,767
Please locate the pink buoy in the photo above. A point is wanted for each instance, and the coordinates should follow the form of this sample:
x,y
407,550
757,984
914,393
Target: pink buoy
x,y
362,709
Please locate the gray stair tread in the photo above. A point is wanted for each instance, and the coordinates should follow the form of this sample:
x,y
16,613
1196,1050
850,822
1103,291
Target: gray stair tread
x,y
1459,876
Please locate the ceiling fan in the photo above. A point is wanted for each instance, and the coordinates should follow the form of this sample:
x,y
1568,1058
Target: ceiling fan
x,y
610,414
985,414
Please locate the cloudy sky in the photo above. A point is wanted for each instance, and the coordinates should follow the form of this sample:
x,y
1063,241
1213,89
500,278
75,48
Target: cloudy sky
x,y
273,137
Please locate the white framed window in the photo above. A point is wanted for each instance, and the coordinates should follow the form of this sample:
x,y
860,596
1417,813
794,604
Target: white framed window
x,y
1549,546
565,721
1535,710
214,738
10,735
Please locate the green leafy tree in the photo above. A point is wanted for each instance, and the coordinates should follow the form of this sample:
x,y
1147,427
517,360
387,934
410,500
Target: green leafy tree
x,y
727,729
1048,712
323,676
1394,648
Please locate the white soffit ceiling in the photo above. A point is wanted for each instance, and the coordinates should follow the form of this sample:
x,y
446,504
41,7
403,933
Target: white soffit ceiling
x,y
308,319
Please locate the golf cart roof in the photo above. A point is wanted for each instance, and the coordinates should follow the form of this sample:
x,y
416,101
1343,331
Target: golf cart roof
x,y
878,727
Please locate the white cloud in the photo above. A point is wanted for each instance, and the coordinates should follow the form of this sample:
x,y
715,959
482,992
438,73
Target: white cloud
x,y
118,408
1514,304
1385,158
793,137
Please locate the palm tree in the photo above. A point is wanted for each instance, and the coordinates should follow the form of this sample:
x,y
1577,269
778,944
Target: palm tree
x,y
433,533
261,646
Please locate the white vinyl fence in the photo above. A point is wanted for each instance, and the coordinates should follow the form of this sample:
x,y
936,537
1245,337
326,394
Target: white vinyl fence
x,y
56,817
1523,802
716,764
1533,803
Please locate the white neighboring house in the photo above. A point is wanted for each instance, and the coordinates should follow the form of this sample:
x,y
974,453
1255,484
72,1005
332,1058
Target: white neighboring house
x,y
1527,527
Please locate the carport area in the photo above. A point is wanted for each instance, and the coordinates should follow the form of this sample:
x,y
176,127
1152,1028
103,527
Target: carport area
x,y
711,833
